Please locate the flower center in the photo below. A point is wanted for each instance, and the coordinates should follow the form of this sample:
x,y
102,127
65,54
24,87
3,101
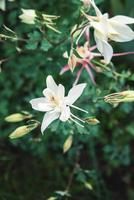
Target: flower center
x,y
54,101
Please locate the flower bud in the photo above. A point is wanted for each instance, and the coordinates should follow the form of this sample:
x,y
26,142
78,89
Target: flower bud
x,y
22,130
72,62
17,117
68,143
92,121
115,98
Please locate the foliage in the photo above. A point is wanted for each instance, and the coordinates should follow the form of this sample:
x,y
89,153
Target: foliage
x,y
98,160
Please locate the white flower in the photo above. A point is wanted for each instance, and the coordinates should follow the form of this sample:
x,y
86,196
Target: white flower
x,y
28,16
55,104
3,4
115,29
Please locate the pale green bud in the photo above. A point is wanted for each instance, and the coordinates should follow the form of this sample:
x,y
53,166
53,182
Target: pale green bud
x,y
23,130
92,121
17,117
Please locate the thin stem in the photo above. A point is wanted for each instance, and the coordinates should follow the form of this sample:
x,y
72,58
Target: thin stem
x,y
93,47
73,171
123,54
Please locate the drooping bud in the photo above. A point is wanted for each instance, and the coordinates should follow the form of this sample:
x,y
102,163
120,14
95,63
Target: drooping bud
x,y
115,98
92,121
72,62
68,143
17,117
88,185
23,130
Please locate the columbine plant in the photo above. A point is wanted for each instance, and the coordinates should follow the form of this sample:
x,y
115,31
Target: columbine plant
x,y
56,104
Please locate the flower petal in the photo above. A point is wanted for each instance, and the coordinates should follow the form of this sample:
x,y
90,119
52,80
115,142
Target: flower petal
x,y
104,47
75,93
61,91
124,32
122,19
65,114
98,12
48,93
49,117
51,83
40,104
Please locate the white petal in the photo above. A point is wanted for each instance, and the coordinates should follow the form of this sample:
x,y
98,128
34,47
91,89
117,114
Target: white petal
x,y
104,47
65,114
124,32
102,26
75,93
48,93
49,117
51,83
61,91
122,19
40,104
98,12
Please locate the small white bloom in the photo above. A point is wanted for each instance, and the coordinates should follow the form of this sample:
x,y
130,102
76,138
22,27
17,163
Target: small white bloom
x,y
3,4
106,28
56,104
28,16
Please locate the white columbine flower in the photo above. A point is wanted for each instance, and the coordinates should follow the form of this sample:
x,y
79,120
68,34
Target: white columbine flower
x,y
106,28
28,16
56,104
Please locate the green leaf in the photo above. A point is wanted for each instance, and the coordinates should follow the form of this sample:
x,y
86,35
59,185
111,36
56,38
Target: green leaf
x,y
45,45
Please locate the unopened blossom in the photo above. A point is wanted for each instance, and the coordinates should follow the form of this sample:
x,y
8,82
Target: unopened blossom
x,y
106,29
56,104
28,16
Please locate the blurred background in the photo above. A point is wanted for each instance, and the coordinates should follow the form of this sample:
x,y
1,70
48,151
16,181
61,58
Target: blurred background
x,y
34,167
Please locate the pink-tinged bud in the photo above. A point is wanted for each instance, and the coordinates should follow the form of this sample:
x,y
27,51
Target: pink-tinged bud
x,y
72,62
